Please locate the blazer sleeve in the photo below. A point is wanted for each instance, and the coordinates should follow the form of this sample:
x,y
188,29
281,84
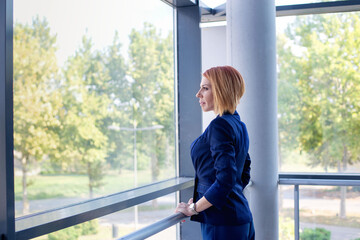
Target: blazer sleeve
x,y
221,139
245,176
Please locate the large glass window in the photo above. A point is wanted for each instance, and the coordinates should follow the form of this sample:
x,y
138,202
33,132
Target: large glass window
x,y
319,124
93,99
325,212
319,93
286,212
328,212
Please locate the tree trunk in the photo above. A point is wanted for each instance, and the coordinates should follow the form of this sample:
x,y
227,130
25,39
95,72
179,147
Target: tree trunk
x,y
154,168
91,194
25,201
343,188
168,158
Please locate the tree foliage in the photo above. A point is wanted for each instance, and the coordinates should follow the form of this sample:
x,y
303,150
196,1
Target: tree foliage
x,y
118,91
151,71
85,106
319,90
36,102
319,85
65,117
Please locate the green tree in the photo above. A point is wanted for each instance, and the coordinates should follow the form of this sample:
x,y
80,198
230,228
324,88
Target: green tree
x,y
151,71
36,101
85,106
119,91
321,67
288,99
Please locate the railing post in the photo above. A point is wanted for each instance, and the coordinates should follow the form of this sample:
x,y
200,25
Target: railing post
x,y
296,211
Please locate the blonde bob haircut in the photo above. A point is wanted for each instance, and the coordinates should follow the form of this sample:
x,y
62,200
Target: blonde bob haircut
x,y
227,86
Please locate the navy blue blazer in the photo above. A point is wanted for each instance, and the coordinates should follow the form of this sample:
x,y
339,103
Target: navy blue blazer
x,y
222,170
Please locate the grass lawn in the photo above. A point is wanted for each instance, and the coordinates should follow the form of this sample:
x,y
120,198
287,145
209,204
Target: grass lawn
x,y
68,186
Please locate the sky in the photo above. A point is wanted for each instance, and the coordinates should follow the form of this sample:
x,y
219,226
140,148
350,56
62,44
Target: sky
x,y
213,3
71,19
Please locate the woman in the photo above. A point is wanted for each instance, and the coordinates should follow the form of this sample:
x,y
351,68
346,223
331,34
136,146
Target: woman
x,y
221,161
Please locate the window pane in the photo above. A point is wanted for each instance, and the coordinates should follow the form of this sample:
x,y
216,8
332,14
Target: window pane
x,y
116,225
93,99
330,212
319,92
286,212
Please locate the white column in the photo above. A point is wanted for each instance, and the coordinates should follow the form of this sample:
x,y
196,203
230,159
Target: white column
x,y
251,48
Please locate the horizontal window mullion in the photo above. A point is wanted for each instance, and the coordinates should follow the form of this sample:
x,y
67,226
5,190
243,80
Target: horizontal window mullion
x,y
211,15
321,182
327,176
317,8
319,179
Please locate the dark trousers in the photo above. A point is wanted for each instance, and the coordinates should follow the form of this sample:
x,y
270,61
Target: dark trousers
x,y
240,232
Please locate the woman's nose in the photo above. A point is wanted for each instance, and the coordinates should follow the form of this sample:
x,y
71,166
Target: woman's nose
x,y
198,94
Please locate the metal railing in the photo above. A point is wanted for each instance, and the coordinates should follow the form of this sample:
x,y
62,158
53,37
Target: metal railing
x,y
160,225
38,224
45,222
155,227
314,179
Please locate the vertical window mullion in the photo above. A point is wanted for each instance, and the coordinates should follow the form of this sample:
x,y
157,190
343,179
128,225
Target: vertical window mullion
x,y
7,216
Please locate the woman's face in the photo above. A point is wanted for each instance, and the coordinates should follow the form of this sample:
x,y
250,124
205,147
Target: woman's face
x,y
205,95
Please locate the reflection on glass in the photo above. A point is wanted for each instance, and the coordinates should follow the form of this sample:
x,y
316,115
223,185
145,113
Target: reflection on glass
x,y
93,99
330,212
319,93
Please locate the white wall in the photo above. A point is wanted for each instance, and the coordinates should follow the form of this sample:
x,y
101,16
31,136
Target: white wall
x,y
213,48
